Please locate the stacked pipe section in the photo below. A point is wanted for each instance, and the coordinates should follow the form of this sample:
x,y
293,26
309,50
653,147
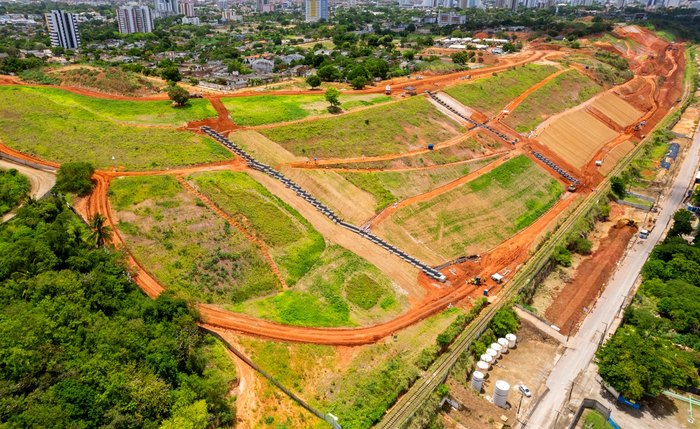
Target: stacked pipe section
x,y
470,120
556,168
253,163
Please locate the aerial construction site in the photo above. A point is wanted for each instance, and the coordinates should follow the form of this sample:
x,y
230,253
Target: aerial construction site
x,y
333,249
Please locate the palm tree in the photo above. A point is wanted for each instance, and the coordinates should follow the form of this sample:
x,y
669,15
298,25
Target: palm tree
x,y
101,232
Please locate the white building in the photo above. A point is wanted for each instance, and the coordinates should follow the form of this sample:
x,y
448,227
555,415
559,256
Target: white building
x,y
63,29
262,66
134,19
194,20
316,10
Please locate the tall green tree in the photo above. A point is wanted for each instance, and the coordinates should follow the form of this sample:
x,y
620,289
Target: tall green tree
x,y
178,95
75,177
101,231
333,97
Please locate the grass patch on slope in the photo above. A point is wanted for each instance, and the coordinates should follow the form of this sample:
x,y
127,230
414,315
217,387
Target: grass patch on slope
x,y
492,94
567,90
50,124
269,109
380,130
342,289
186,246
295,245
478,215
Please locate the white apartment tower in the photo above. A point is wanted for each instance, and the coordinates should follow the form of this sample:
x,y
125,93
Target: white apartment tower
x,y
166,7
134,19
63,29
316,10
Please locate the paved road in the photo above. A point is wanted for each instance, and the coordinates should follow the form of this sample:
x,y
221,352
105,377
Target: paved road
x,y
583,345
41,181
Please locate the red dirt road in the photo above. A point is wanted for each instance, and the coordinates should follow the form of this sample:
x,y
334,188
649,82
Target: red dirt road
x,y
567,310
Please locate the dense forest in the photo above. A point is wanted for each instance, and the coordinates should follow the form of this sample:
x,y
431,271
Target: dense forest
x,y
81,346
14,187
658,345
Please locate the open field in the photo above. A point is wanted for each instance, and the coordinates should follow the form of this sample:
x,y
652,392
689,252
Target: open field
x,y
380,130
268,109
617,109
79,134
294,244
576,136
563,92
476,216
356,384
491,94
262,148
185,245
341,289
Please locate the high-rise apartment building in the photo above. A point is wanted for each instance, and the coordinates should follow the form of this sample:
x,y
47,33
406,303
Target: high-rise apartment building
x,y
63,29
134,19
264,6
166,7
316,10
187,9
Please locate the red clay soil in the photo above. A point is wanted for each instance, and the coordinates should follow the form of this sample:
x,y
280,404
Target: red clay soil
x,y
572,303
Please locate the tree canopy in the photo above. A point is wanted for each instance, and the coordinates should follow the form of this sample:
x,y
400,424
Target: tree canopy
x,y
75,177
81,346
14,187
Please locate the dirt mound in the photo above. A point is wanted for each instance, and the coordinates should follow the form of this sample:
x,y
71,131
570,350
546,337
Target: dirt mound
x,y
578,297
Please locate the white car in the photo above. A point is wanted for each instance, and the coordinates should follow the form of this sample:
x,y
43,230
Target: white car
x,y
524,390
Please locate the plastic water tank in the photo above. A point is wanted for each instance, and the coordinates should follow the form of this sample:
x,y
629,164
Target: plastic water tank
x,y
504,345
511,340
477,380
483,366
487,358
500,393
498,349
493,353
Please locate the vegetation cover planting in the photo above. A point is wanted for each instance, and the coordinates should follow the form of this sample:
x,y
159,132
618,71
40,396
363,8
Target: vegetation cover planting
x,y
269,109
342,289
79,134
186,246
477,215
492,94
294,244
380,130
563,92
81,346
14,187
389,187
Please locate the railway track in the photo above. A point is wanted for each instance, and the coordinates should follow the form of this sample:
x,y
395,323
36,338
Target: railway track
x,y
408,404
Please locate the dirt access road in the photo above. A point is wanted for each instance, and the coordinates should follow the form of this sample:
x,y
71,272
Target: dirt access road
x,y
41,181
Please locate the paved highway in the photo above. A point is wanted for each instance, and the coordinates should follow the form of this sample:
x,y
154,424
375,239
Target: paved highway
x,y
583,345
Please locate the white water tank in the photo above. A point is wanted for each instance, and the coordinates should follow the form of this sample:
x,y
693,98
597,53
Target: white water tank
x,y
487,358
498,349
511,340
477,380
500,393
483,366
504,345
493,353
